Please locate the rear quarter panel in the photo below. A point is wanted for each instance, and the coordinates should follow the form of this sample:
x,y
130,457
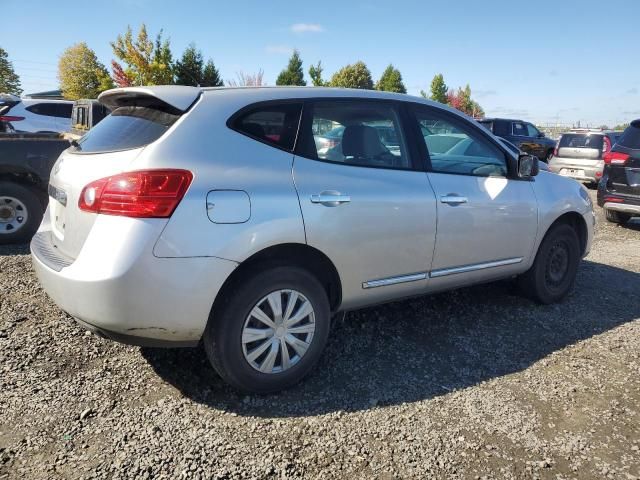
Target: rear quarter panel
x,y
222,159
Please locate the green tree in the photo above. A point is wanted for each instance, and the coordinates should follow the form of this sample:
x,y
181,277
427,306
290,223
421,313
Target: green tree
x,y
356,75
438,89
211,76
191,70
621,126
315,72
9,80
145,62
80,73
391,81
293,74
188,70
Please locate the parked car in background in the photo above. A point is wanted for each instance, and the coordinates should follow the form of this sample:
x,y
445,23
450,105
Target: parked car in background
x,y
517,152
580,154
619,189
86,113
522,134
25,164
212,215
35,115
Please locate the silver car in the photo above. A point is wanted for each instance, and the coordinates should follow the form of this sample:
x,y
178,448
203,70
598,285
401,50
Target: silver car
x,y
210,215
580,152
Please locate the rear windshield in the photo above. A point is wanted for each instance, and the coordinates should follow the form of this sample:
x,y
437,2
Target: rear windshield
x,y
581,140
126,128
631,137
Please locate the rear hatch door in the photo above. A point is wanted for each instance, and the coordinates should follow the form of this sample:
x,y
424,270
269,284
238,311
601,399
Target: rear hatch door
x,y
584,148
139,117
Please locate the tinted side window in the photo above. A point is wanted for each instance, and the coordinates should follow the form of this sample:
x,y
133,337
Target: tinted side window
x,y
63,110
355,132
501,128
533,131
458,148
126,128
48,109
275,124
519,129
631,137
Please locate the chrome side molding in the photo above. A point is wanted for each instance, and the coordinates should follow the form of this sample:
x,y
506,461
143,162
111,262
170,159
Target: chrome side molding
x,y
414,277
471,268
385,282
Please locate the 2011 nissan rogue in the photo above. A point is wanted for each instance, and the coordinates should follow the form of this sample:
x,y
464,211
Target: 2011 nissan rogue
x,y
211,215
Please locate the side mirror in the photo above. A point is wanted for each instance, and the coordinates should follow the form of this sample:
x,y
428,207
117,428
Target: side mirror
x,y
527,165
541,135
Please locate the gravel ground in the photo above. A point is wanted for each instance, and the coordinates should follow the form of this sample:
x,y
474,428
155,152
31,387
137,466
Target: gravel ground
x,y
477,383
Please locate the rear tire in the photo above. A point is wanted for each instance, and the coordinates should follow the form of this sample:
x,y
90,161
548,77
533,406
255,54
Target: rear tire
x,y
616,217
232,326
553,273
20,213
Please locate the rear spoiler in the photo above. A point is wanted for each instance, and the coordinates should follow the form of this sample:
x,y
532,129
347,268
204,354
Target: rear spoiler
x,y
176,97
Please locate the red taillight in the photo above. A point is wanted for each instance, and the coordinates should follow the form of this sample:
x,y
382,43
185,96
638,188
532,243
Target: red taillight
x,y
614,199
555,150
145,193
10,118
606,145
615,158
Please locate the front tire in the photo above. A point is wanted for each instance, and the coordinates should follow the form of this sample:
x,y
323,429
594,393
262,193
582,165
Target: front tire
x,y
270,331
616,217
20,213
553,273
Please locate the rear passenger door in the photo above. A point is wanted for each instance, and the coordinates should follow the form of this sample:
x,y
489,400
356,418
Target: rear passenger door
x,y
487,220
364,202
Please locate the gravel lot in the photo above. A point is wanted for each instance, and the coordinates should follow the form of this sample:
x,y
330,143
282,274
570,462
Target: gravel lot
x,y
477,383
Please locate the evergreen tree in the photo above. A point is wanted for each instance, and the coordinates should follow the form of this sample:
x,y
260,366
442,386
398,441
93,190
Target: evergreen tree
x,y
439,89
211,76
391,81
188,70
293,74
315,72
9,80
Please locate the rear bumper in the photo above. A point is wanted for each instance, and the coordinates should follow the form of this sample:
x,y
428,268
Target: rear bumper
x,y
587,173
622,207
119,290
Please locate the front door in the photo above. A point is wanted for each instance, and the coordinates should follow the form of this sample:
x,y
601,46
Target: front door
x,y
364,204
487,221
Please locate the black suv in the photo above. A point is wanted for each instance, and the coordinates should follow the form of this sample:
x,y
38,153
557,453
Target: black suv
x,y
619,189
523,135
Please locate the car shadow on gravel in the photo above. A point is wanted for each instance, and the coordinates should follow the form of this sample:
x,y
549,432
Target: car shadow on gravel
x,y
19,249
421,348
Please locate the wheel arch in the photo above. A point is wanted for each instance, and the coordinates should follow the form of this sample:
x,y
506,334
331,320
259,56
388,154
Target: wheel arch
x,y
576,221
289,254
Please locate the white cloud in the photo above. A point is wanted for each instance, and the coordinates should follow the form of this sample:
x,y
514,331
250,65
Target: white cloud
x,y
307,28
278,49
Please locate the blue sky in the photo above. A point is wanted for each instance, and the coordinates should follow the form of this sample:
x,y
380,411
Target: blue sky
x,y
543,60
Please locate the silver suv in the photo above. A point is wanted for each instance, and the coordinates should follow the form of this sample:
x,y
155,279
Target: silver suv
x,y
580,153
212,215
